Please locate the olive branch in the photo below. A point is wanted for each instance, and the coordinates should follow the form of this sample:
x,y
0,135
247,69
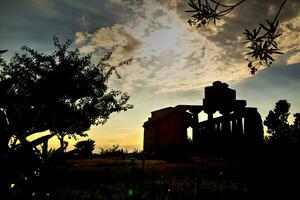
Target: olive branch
x,y
261,41
207,11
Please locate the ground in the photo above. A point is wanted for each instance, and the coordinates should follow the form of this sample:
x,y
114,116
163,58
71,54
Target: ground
x,y
198,177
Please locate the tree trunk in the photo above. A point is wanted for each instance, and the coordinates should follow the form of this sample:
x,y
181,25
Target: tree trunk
x,y
62,142
4,141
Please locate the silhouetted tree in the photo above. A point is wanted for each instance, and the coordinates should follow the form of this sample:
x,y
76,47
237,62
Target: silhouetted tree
x,y
296,128
277,123
297,120
62,135
85,148
62,92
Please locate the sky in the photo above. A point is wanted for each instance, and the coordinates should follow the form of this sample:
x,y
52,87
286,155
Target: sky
x,y
172,62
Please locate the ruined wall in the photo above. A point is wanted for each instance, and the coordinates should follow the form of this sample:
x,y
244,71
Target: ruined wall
x,y
243,127
166,134
166,130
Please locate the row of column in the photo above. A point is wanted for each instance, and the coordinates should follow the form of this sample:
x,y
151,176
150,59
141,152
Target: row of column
x,y
227,125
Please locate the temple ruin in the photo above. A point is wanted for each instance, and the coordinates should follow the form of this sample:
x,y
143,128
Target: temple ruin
x,y
166,130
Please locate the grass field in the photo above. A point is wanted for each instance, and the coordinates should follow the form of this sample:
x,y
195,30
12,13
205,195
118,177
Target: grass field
x,y
212,177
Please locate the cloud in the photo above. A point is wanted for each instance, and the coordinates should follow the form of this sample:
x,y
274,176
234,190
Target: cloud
x,y
294,59
80,37
84,23
115,38
227,33
290,40
171,56
39,6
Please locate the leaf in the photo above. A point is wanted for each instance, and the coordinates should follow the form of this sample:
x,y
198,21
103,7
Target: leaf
x,y
247,32
276,36
217,6
199,3
193,5
106,57
191,11
270,23
250,64
3,51
264,27
270,57
276,24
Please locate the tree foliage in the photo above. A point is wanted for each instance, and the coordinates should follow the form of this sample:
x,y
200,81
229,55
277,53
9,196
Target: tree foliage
x,y
62,92
281,132
208,10
296,128
297,121
261,42
85,148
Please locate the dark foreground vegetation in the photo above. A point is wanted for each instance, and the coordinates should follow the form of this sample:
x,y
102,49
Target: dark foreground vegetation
x,y
265,171
62,92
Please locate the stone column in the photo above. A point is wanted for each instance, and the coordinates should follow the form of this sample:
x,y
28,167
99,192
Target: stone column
x,y
226,123
239,126
195,127
210,130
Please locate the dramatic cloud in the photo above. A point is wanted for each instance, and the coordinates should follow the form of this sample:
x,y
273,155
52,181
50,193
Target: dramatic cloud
x,y
114,38
175,60
291,40
80,37
169,55
172,61
227,33
295,58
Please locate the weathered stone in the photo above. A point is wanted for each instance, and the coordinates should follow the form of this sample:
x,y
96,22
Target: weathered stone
x,y
166,131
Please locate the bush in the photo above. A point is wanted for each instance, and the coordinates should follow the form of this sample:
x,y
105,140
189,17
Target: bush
x,y
85,148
